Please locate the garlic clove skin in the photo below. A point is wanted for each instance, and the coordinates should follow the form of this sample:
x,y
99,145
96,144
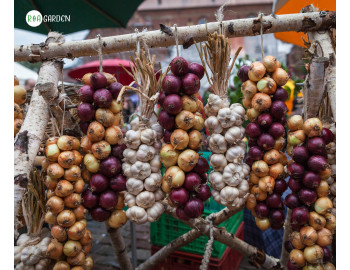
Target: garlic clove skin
x,y
231,174
135,124
145,199
235,154
154,212
134,186
148,136
238,109
216,181
243,188
137,214
229,194
126,169
159,130
218,162
132,139
153,182
129,155
129,200
155,164
159,194
234,134
226,117
213,125
217,144
140,170
145,153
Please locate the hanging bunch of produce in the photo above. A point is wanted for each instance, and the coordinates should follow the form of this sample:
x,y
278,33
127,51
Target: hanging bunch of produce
x,y
185,179
331,159
30,249
20,97
312,220
100,117
72,241
224,124
141,156
265,99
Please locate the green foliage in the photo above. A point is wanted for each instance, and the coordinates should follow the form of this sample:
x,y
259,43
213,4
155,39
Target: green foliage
x,y
33,66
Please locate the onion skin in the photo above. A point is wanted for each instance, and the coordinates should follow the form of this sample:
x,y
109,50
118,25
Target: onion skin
x,y
179,66
296,240
171,84
196,69
323,205
256,71
172,104
300,216
265,120
309,235
98,80
167,121
266,141
317,163
263,224
324,237
317,221
260,168
179,139
313,254
280,76
261,102
243,73
190,84
194,208
187,160
312,127
296,257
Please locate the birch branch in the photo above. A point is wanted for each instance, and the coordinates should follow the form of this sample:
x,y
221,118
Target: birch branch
x,y
311,21
119,247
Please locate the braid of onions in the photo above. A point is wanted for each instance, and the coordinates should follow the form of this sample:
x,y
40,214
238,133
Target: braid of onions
x,y
72,241
141,157
224,124
265,99
313,218
185,178
20,97
100,116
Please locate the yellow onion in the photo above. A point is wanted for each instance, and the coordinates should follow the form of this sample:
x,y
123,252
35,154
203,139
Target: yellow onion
x,y
117,219
50,182
260,168
88,263
50,218
249,89
195,139
73,200
279,143
77,260
261,102
17,125
86,175
55,204
297,240
174,176
110,78
256,71
179,139
65,143
251,202
184,120
50,193
330,221
313,127
280,76
59,233
313,254
86,144
79,185
283,159
295,122
323,205
52,152
247,102
87,248
324,237
267,86
73,173
51,140
80,212
64,188
316,221
66,159
262,223
95,132
189,103
116,107
101,150
87,238
296,138
187,160
113,135
325,174
44,164
277,171
259,194
78,158
91,163
267,183
165,185
66,218
61,265
76,143
272,157
117,119
252,114
16,81
253,178
198,122
20,95
120,204
308,235
328,266
199,106
86,79
105,117
323,189
168,155
289,150
54,249
270,62
55,171
72,248
76,231
296,257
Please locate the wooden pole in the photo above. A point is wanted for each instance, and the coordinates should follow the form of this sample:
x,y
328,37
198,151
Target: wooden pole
x,y
306,22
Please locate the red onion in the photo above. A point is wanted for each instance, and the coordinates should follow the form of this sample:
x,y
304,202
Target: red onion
x,y
161,98
181,214
249,161
296,227
316,145
172,104
288,246
179,66
291,266
99,214
282,120
118,183
203,192
294,185
280,94
86,94
311,180
90,199
327,135
115,89
204,177
266,141
194,208
84,126
252,142
274,201
327,255
110,167
307,196
255,153
98,80
253,130
98,182
265,120
300,216
86,112
278,109
243,73
276,130
190,84
261,210
192,181
166,120
317,163
196,69
296,170
202,165
171,84
292,201
277,218
167,135
179,196
103,98
108,199
280,186
300,154
117,151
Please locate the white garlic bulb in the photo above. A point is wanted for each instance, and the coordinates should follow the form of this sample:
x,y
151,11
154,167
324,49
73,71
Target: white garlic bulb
x,y
148,136
159,130
159,194
153,182
145,153
234,134
215,103
218,162
126,169
246,170
157,145
216,195
238,109
145,199
215,180
137,214
229,194
226,117
140,170
134,186
132,139
232,174
155,164
243,188
135,123
217,144
155,211
129,155
235,154
213,125
129,199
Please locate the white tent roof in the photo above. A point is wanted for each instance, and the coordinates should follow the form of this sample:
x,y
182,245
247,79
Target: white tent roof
x,y
23,73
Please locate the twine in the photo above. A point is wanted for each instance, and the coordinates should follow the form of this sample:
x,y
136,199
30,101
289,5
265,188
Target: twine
x,y
209,245
261,35
100,52
176,40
